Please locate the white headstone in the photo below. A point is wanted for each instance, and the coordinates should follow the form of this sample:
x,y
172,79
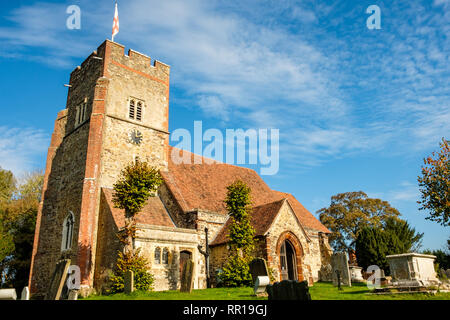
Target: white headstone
x,y
25,294
8,294
356,274
260,284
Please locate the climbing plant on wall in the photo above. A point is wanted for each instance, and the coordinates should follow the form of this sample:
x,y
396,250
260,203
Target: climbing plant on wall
x,y
238,203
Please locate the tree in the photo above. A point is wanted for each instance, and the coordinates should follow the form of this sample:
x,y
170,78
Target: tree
x,y
18,217
238,203
396,236
349,213
410,240
7,185
137,182
435,185
6,249
371,248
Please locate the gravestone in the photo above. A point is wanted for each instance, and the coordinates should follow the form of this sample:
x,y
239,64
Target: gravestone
x,y
339,262
73,295
260,285
356,274
447,272
58,280
128,281
325,273
258,268
25,294
8,294
187,277
289,290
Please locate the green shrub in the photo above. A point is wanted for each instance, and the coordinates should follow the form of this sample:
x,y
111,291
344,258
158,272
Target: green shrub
x,y
236,273
143,279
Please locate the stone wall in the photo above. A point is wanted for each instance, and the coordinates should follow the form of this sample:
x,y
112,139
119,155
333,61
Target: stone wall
x,y
118,152
175,240
108,246
214,222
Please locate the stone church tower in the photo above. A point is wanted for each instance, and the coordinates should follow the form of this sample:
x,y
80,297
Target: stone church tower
x,y
117,111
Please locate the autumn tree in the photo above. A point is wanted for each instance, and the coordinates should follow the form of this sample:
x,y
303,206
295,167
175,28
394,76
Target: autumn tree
x,y
7,185
435,185
349,212
18,214
238,203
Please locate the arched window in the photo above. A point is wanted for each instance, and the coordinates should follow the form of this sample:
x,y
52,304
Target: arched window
x,y
67,234
165,256
139,111
158,255
132,109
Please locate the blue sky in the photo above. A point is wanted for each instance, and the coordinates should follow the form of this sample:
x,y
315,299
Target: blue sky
x,y
357,109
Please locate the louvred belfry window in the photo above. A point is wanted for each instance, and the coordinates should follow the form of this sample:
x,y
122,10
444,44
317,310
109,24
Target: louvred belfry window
x,y
139,111
132,109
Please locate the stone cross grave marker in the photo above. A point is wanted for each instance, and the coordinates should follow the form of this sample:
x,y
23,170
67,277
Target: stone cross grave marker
x,y
339,262
187,277
128,281
58,280
25,294
258,268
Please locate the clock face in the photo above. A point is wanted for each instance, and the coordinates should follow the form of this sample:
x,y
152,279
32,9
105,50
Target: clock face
x,y
135,136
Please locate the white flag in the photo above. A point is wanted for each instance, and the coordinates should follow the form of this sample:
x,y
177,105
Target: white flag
x,y
115,28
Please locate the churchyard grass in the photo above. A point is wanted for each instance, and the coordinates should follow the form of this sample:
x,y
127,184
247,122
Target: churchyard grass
x,y
320,291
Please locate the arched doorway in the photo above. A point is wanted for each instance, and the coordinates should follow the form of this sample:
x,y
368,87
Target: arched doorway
x,y
288,261
184,256
289,253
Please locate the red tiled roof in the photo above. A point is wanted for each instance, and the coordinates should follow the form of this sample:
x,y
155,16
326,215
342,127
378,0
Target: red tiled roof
x,y
261,218
204,186
154,213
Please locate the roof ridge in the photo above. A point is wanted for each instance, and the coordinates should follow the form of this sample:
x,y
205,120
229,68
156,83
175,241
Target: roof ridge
x,y
209,159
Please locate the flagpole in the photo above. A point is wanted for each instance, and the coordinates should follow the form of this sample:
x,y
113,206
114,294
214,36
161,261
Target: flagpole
x,y
114,23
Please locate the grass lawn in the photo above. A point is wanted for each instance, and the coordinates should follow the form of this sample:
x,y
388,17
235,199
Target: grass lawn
x,y
320,291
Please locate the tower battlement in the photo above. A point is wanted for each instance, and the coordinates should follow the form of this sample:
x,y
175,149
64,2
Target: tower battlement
x,y
112,52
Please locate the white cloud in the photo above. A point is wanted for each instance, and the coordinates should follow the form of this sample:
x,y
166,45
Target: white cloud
x,y
20,148
331,97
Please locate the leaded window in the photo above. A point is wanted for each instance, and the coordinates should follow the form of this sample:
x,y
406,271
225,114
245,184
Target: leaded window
x,y
67,235
158,255
165,256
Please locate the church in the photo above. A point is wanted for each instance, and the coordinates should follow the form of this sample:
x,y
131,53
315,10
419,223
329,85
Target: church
x,y
116,113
